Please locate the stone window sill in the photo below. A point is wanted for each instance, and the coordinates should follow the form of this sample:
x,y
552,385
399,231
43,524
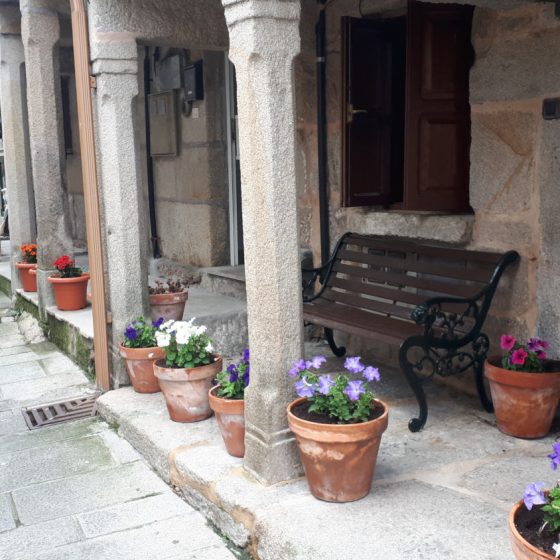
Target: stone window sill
x,y
455,229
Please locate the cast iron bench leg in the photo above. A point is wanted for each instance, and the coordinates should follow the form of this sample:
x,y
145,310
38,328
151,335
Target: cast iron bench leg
x,y
482,394
336,350
415,424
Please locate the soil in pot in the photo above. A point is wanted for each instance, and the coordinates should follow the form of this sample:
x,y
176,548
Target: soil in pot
x,y
140,367
524,403
230,415
186,389
70,293
168,306
339,459
524,527
28,279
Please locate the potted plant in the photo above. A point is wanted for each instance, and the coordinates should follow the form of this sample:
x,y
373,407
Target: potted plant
x,y
26,265
185,374
525,387
140,350
69,284
226,400
168,300
534,522
338,424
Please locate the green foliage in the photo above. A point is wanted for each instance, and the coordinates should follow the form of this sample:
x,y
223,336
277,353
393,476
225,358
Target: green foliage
x,y
185,345
140,334
234,380
552,510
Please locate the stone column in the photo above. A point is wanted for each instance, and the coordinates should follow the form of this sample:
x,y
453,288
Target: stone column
x,y
17,157
264,39
41,34
125,227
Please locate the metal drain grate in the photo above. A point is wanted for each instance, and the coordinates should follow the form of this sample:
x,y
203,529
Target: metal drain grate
x,y
59,412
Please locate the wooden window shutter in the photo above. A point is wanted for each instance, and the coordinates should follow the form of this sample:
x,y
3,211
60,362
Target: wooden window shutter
x,y
366,113
437,141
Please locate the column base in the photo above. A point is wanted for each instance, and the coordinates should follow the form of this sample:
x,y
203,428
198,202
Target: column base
x,y
45,292
272,461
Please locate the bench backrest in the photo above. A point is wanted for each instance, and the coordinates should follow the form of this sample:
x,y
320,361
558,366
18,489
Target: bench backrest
x,y
391,276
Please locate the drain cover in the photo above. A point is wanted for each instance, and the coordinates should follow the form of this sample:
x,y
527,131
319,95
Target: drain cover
x,y
58,412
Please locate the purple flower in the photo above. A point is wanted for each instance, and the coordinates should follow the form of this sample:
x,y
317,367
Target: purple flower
x,y
304,388
246,354
533,495
131,333
298,367
325,384
233,373
315,362
354,365
157,324
246,378
533,344
555,456
354,389
371,374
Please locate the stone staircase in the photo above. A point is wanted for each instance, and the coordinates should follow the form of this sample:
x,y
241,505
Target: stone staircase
x,y
219,302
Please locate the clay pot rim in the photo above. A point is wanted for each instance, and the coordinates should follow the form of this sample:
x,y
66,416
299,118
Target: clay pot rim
x,y
526,379
136,353
338,432
26,265
516,535
176,297
163,372
225,406
75,280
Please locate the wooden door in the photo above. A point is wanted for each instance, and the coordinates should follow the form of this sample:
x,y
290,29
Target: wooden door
x,y
368,105
437,132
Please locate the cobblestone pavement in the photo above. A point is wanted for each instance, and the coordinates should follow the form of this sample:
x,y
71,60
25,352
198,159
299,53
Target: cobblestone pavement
x,y
78,490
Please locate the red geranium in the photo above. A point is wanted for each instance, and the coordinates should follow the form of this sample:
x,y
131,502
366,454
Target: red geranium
x,y
64,262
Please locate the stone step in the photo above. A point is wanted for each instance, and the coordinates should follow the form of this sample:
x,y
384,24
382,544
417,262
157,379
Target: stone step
x,y
225,317
224,280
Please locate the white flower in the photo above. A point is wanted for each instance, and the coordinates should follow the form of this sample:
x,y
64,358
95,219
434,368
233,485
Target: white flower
x,y
163,339
182,337
556,548
167,325
200,330
209,347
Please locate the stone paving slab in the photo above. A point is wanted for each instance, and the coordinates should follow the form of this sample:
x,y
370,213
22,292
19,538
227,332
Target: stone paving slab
x,y
444,493
79,490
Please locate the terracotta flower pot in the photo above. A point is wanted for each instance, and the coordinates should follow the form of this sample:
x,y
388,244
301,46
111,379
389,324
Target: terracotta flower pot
x,y
186,389
230,414
70,293
168,306
140,367
524,403
523,550
28,280
338,459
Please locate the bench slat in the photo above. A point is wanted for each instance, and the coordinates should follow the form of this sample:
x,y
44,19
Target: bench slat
x,y
427,284
436,269
391,294
374,305
359,322
490,259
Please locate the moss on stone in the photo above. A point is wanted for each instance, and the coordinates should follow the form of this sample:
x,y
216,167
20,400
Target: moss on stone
x,y
6,286
23,304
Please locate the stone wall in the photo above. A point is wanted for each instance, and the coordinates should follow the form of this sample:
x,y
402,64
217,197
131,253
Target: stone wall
x,y
514,155
191,188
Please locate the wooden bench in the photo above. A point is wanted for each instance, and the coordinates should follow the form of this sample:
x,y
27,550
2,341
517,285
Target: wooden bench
x,y
431,300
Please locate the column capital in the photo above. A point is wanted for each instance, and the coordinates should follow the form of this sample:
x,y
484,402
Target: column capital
x,y
113,53
40,27
263,27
